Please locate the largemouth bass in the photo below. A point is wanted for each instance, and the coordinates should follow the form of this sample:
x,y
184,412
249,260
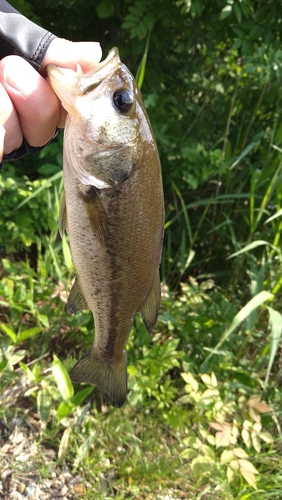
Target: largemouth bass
x,y
113,212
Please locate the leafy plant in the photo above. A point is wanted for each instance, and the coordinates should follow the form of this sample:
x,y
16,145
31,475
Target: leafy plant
x,y
234,422
203,415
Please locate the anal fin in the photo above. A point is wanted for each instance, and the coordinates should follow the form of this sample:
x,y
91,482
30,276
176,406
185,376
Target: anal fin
x,y
76,301
150,310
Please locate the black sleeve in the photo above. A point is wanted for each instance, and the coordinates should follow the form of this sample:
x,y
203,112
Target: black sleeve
x,y
19,36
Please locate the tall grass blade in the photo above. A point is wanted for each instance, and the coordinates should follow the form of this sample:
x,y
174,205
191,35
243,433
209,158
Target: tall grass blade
x,y
251,246
242,315
140,75
66,252
275,320
278,214
46,185
185,212
257,278
55,262
244,153
268,194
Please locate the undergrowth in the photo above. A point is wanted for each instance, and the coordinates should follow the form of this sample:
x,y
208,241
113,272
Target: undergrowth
x,y
202,418
203,413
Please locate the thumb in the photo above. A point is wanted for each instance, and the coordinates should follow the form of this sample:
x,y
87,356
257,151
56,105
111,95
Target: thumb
x,y
66,54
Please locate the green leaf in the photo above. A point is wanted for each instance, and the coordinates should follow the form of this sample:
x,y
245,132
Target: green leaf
x,y
80,396
266,437
28,372
226,456
246,437
9,332
226,11
64,442
231,471
67,406
201,465
3,364
105,9
240,453
43,318
248,472
189,453
238,12
20,294
44,404
84,449
16,357
26,334
62,379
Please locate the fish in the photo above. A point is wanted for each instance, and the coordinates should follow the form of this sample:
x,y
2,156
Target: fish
x,y
113,213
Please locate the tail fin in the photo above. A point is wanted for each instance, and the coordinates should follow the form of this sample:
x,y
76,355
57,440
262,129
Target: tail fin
x,y
111,378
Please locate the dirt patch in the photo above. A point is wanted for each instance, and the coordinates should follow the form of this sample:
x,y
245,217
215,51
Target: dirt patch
x,y
20,477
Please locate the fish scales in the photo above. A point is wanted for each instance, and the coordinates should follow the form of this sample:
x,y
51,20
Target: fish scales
x,y
113,212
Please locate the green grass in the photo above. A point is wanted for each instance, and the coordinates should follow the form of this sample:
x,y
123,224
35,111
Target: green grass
x,y
203,415
161,444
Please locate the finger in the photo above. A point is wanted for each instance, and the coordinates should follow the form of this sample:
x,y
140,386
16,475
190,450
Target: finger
x,y
68,54
11,134
33,99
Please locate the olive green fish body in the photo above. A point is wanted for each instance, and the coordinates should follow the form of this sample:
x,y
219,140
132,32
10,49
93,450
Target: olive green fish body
x,y
113,212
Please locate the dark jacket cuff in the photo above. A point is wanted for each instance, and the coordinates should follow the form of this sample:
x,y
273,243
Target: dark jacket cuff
x,y
19,36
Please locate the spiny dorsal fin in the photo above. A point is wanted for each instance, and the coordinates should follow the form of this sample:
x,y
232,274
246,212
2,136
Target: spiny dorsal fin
x,y
76,301
96,213
63,216
150,309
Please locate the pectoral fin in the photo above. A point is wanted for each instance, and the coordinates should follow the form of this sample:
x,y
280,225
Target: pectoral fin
x,y
76,301
63,216
96,213
150,309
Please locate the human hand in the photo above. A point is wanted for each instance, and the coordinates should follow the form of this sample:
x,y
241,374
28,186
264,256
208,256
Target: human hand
x,y
29,107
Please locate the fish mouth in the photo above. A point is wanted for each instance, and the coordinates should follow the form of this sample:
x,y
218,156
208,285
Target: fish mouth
x,y
93,79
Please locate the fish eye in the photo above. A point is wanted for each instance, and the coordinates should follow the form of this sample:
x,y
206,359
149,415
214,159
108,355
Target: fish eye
x,y
123,100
